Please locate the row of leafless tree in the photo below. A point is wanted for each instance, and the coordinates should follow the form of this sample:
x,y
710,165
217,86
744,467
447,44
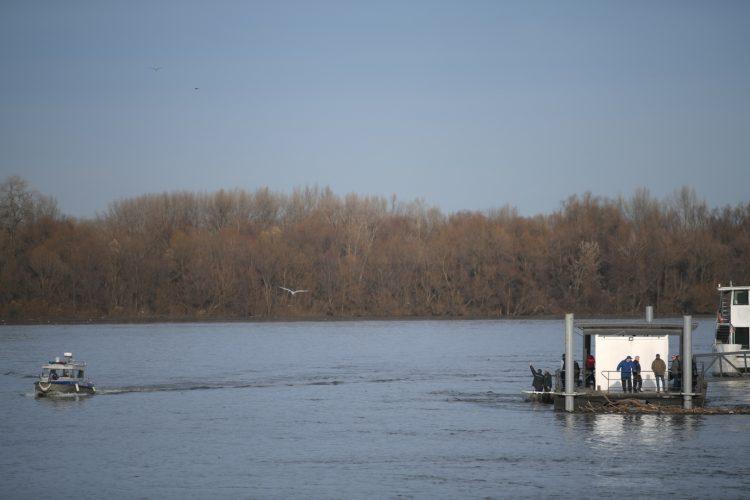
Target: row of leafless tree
x,y
225,255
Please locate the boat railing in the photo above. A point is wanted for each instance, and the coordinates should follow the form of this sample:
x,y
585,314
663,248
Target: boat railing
x,y
740,370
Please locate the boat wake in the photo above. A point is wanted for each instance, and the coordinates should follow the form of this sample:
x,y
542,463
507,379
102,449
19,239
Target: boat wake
x,y
488,398
284,382
191,386
176,388
12,373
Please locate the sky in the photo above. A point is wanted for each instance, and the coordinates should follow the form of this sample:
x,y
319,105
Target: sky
x,y
468,105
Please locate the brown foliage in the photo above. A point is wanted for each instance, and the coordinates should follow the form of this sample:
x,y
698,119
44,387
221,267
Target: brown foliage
x,y
225,255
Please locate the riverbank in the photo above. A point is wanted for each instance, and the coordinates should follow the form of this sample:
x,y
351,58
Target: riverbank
x,y
110,320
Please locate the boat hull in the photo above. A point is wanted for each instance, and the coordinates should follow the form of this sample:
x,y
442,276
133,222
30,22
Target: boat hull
x,y
52,388
722,367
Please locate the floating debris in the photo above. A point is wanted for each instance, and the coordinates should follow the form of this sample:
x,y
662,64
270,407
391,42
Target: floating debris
x,y
635,406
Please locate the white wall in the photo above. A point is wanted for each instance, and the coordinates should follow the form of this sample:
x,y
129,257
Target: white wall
x,y
610,350
740,315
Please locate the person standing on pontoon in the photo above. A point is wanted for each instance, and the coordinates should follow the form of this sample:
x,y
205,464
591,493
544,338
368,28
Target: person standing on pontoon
x,y
590,369
626,371
538,382
637,379
658,366
676,372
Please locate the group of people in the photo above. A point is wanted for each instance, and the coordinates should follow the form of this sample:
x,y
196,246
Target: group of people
x,y
542,381
590,366
630,373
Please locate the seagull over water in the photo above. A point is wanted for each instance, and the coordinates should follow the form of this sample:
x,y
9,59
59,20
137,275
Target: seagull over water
x,y
294,292
155,68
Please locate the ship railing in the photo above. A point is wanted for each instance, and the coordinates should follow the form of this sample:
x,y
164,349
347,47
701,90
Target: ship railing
x,y
740,370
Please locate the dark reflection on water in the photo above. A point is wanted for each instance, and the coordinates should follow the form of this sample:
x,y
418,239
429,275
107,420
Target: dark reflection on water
x,y
67,402
345,410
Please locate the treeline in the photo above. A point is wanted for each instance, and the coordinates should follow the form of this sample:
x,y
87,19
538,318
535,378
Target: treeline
x,y
224,255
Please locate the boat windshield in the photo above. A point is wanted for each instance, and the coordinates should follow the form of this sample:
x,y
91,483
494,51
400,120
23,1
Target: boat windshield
x,y
45,373
740,298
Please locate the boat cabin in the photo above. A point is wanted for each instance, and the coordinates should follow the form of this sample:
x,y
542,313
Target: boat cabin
x,y
66,369
733,316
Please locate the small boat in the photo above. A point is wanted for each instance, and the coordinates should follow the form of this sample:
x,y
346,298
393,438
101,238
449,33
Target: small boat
x,y
63,376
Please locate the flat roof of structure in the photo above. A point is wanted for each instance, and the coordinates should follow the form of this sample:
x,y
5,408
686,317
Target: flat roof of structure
x,y
630,328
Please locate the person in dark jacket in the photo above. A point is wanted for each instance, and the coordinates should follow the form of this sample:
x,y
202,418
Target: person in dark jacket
x,y
637,379
590,369
626,371
675,372
576,372
562,370
547,381
538,381
695,375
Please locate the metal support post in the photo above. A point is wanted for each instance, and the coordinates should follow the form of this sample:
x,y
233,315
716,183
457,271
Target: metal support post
x,y
687,362
569,364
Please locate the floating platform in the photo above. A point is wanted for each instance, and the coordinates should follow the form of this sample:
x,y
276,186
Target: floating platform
x,y
538,396
599,399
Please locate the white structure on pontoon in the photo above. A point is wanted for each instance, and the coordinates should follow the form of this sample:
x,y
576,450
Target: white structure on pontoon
x,y
611,342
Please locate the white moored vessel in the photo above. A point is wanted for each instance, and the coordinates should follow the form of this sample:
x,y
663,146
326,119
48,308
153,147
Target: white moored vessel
x,y
733,330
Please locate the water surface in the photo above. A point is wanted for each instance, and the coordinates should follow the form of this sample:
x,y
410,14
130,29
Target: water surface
x,y
423,409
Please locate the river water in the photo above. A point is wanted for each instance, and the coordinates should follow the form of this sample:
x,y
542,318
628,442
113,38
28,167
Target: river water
x,y
422,409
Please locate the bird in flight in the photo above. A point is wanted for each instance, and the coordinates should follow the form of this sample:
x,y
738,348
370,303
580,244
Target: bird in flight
x,y
155,68
294,292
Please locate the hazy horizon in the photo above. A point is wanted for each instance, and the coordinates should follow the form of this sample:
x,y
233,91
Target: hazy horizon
x,y
668,198
465,106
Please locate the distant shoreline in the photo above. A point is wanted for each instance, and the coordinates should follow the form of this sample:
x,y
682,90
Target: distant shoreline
x,y
319,319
